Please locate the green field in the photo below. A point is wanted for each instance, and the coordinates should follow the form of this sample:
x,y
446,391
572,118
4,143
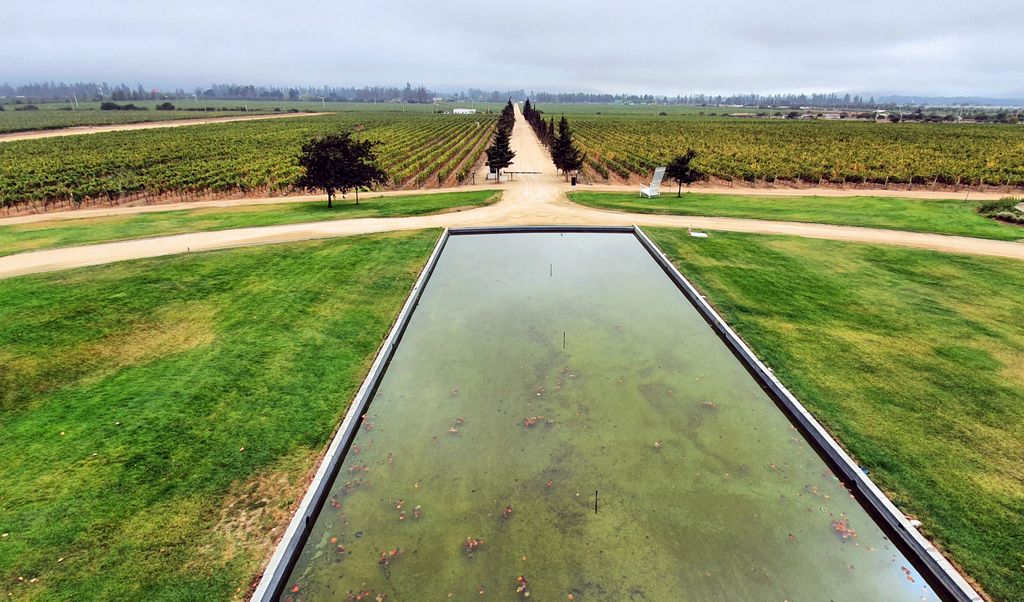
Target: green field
x,y
20,238
26,121
60,115
159,417
939,216
416,149
572,110
911,358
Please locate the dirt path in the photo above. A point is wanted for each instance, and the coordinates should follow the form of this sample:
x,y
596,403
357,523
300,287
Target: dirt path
x,y
143,125
534,199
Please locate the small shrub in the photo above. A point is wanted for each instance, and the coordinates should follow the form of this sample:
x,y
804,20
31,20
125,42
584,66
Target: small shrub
x,y
113,106
1010,216
165,107
27,108
1006,209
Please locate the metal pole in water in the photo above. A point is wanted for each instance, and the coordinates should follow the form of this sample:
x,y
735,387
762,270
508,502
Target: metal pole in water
x,y
595,501
563,339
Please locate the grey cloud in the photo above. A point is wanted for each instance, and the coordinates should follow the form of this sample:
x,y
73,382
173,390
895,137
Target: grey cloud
x,y
659,46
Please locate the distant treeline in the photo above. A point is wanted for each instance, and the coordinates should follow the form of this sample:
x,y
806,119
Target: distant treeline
x,y
852,101
48,91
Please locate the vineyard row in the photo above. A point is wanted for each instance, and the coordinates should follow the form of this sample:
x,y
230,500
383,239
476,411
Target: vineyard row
x,y
232,158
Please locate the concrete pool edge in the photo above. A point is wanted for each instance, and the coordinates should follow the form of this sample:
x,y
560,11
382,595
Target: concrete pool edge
x,y
946,580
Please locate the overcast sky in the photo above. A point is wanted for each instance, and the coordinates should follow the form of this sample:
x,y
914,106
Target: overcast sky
x,y
934,47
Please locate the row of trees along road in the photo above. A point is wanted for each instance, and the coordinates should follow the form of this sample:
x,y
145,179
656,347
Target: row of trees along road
x,y
500,153
564,152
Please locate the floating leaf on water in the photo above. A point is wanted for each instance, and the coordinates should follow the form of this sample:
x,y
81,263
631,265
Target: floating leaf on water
x,y
522,587
842,527
471,544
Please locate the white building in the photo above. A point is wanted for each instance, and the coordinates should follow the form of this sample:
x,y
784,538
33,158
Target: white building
x,y
464,111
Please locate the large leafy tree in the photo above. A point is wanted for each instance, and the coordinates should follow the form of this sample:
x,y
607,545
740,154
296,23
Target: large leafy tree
x,y
564,152
338,163
681,170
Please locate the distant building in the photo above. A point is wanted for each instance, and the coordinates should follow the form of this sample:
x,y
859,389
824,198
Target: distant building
x,y
881,116
464,111
831,116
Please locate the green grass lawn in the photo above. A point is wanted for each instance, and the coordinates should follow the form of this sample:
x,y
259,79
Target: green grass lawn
x,y
19,238
938,216
159,417
914,359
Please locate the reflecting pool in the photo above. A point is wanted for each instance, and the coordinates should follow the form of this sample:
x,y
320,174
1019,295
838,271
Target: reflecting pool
x,y
560,423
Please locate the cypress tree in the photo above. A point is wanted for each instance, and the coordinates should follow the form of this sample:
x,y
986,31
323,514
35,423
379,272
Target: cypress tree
x,y
507,119
566,155
500,154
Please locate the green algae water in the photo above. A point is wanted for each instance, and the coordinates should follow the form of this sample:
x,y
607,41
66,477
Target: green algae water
x,y
560,423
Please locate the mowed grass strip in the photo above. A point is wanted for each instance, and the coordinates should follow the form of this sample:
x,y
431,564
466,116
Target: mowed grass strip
x,y
954,217
158,418
20,238
913,359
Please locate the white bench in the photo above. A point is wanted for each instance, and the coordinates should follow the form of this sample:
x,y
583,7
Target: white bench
x,y
654,189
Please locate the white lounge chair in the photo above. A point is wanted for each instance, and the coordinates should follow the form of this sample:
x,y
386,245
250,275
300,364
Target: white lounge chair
x,y
655,188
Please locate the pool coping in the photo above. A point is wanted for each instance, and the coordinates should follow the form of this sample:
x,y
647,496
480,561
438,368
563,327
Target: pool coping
x,y
926,555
